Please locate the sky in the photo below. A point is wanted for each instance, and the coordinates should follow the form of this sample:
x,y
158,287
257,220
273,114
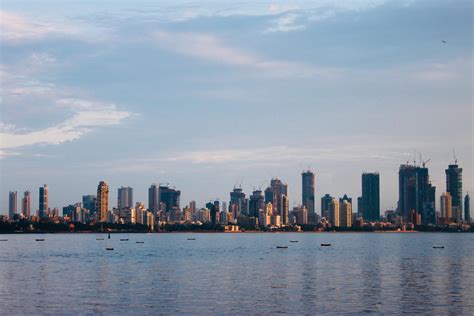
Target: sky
x,y
208,95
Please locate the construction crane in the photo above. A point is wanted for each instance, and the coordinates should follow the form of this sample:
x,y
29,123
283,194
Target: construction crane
x,y
455,158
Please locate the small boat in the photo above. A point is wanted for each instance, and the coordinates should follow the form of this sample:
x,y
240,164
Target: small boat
x,y
124,239
3,239
109,248
293,240
139,242
39,239
438,247
99,239
108,236
191,238
325,245
282,247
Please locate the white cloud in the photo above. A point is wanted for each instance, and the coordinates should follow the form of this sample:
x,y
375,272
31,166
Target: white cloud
x,y
210,48
87,116
286,23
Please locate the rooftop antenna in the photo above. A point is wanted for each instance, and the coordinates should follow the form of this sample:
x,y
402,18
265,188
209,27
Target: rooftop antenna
x,y
454,156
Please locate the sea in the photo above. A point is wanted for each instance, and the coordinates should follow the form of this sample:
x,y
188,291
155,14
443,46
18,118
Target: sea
x,y
237,274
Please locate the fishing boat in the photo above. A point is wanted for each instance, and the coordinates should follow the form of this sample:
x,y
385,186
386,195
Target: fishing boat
x,y
124,239
140,242
293,240
99,239
109,248
3,239
191,238
39,239
282,247
325,245
438,247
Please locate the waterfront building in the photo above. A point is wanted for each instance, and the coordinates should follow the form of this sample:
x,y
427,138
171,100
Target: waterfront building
x,y
370,196
12,204
124,197
154,198
102,203
325,203
187,215
192,207
277,194
141,213
308,185
170,197
43,201
345,214
203,215
446,204
454,187
238,203
150,221
334,213
360,202
26,204
89,202
416,193
256,203
467,208
302,215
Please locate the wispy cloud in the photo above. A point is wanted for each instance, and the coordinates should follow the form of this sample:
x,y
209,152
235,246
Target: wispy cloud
x,y
87,115
210,48
286,23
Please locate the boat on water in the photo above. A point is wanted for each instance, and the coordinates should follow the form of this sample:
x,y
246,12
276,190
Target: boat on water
x,y
3,239
293,240
282,247
191,238
438,247
109,248
139,242
325,245
39,239
99,239
124,239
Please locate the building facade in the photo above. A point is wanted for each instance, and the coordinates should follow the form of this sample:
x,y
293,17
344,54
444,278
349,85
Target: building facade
x,y
43,201
370,196
307,188
124,197
102,205
12,204
454,187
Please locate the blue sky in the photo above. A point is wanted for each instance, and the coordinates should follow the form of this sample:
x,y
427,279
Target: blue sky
x,y
204,95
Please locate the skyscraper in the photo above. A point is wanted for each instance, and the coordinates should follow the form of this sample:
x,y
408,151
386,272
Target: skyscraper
x,y
102,201
345,211
334,213
12,204
154,198
170,197
325,203
26,204
454,187
89,202
446,204
307,178
371,196
416,193
256,203
43,201
467,208
238,202
277,194
125,197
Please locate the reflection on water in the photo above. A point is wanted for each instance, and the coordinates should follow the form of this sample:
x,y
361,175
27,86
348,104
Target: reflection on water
x,y
238,273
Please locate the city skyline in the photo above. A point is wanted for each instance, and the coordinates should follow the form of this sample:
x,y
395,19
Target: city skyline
x,y
202,95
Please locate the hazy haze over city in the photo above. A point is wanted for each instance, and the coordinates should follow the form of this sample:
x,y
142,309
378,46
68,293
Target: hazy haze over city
x,y
208,95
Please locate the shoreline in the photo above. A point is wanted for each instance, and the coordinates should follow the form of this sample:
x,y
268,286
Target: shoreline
x,y
241,232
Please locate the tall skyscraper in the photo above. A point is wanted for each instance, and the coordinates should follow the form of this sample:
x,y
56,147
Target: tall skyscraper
x,y
345,211
307,178
124,197
12,204
467,208
26,204
334,213
102,201
89,202
454,187
416,194
256,203
277,194
43,201
446,204
325,203
238,203
370,196
170,197
154,198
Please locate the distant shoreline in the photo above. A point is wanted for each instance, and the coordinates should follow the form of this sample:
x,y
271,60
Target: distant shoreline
x,y
240,232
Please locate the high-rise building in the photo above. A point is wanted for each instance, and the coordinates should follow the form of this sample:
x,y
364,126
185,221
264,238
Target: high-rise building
x,y
154,198
102,205
213,208
256,203
43,201
345,211
89,202
238,203
446,204
125,197
359,206
307,178
334,213
325,202
12,204
371,196
454,187
26,204
170,198
416,194
467,208
277,194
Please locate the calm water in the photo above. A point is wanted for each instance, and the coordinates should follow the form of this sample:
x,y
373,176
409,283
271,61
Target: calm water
x,y
237,274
